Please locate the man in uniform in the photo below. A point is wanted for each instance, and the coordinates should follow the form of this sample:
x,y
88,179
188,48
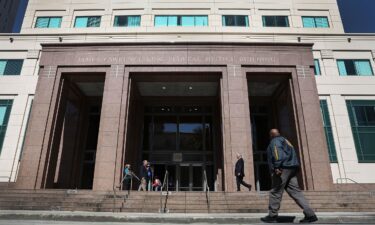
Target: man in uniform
x,y
284,166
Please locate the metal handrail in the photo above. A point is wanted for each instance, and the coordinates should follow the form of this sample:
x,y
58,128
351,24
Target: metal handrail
x,y
206,190
349,179
165,184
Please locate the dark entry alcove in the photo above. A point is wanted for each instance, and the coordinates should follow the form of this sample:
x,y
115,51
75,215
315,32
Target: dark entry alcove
x,y
174,122
73,150
271,106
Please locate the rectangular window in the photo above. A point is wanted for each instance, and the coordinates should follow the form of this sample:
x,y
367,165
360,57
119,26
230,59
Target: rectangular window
x,y
235,21
184,21
87,21
317,67
275,21
362,120
315,21
10,67
350,67
48,22
5,108
328,131
127,21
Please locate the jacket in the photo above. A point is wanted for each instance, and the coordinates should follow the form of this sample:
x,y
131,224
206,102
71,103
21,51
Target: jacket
x,y
281,154
239,168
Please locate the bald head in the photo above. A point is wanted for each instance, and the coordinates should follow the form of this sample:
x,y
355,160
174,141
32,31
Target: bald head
x,y
274,132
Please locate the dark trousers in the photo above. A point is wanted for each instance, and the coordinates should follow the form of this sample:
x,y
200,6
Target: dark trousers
x,y
239,180
127,182
287,181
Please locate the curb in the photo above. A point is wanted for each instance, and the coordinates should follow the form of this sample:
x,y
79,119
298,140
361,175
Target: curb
x,y
176,218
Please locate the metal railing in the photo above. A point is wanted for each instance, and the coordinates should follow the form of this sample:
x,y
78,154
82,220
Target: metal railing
x,y
353,181
206,190
120,185
164,186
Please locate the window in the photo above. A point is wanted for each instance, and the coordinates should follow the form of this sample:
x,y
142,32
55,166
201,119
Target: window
x,y
315,21
87,21
10,67
235,21
127,21
349,67
317,67
185,21
328,132
5,108
275,21
48,22
362,120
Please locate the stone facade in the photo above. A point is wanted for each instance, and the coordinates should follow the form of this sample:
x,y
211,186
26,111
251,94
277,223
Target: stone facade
x,y
238,58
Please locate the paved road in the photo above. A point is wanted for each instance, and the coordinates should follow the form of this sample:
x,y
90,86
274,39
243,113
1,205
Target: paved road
x,y
39,222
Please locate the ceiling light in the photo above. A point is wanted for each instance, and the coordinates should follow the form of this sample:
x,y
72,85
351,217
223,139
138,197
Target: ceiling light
x,y
164,87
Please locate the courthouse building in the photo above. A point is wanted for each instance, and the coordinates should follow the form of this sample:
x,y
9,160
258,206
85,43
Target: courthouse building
x,y
90,85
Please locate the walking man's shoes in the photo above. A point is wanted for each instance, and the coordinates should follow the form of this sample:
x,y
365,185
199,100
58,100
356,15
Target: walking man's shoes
x,y
309,219
269,219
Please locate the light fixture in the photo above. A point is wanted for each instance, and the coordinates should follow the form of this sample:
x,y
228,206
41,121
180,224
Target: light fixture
x,y
190,88
164,87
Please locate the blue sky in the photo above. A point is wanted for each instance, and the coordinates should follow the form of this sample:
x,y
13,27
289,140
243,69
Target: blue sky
x,y
358,15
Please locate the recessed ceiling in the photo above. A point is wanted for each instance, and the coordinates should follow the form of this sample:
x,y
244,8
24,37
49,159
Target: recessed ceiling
x,y
262,89
91,89
178,88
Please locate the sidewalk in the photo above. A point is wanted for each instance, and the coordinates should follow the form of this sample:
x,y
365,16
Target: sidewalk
x,y
176,218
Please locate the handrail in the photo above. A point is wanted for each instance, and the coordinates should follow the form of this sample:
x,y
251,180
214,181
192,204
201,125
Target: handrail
x,y
165,184
206,190
349,179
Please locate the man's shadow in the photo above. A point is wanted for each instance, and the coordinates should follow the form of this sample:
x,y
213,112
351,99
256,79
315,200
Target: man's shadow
x,y
285,219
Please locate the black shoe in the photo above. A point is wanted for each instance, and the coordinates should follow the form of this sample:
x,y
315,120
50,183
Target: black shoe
x,y
309,219
269,219
249,187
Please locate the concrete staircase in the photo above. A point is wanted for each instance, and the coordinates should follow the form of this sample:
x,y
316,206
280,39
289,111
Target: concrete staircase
x,y
178,202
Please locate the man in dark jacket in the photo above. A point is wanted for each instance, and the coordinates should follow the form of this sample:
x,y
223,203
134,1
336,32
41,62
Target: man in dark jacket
x,y
284,165
143,175
239,173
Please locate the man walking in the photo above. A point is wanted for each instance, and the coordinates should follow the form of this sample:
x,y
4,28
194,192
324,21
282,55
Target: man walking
x,y
284,165
143,175
239,173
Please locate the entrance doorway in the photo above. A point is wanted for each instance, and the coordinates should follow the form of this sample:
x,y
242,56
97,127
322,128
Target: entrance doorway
x,y
177,119
180,140
271,106
72,157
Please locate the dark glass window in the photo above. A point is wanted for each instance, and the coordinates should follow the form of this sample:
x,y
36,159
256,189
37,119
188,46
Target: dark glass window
x,y
165,133
10,66
235,21
5,108
362,120
349,67
191,133
317,70
127,21
87,21
48,22
275,21
328,131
